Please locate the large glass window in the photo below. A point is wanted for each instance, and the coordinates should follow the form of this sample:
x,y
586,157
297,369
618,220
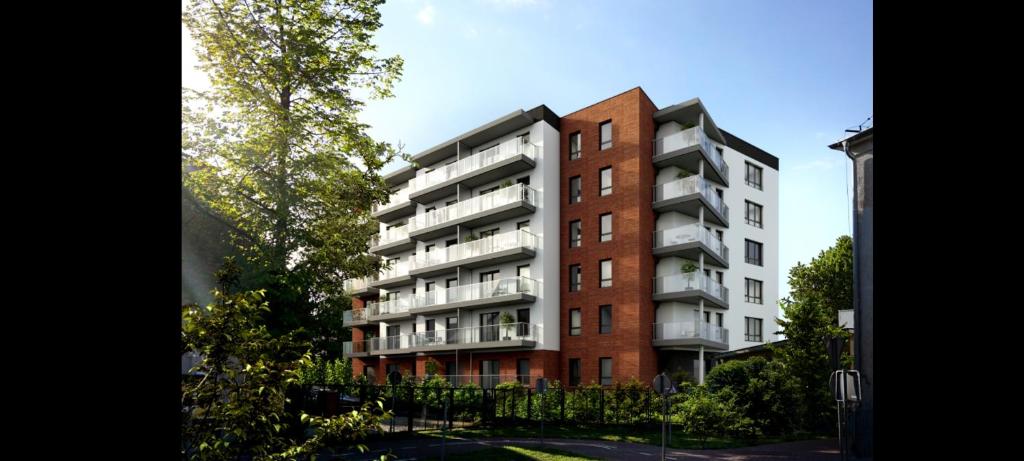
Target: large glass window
x,y
606,135
754,291
606,227
574,372
575,322
575,277
575,234
606,273
606,319
575,190
575,147
606,371
606,181
754,176
754,214
754,253
753,332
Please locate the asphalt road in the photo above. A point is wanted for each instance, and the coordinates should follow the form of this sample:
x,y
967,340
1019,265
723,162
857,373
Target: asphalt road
x,y
425,448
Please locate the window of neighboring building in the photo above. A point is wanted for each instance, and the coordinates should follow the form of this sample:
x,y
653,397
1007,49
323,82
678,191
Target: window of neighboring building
x,y
575,277
606,371
606,227
606,273
523,371
754,253
575,145
606,135
753,329
575,322
754,176
606,181
605,326
575,233
754,214
754,291
574,372
575,190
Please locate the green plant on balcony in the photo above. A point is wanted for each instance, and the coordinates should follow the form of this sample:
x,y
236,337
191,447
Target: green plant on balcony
x,y
506,183
471,237
688,267
507,321
683,173
688,125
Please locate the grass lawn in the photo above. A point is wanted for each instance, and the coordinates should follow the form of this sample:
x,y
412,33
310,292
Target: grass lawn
x,y
643,434
517,454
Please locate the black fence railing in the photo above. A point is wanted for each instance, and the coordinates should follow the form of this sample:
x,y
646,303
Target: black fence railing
x,y
417,407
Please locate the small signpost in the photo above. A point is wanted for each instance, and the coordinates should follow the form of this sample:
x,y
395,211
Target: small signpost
x,y
845,386
542,388
664,387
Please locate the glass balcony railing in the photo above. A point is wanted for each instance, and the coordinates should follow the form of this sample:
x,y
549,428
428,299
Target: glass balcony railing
x,y
475,162
399,305
508,332
690,233
396,199
687,186
465,208
393,235
480,247
397,269
478,291
690,281
354,285
691,137
691,330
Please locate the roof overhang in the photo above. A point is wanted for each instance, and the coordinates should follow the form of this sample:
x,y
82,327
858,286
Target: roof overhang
x,y
689,111
854,139
495,129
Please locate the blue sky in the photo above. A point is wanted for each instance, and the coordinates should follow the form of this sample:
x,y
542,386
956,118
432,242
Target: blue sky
x,y
786,76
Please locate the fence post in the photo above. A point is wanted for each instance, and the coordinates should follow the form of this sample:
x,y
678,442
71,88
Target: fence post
x,y
451,406
412,404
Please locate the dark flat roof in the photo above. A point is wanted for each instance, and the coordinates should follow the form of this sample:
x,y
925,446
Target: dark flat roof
x,y
857,137
751,150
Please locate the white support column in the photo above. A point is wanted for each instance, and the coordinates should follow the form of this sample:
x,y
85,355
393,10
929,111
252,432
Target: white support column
x,y
700,118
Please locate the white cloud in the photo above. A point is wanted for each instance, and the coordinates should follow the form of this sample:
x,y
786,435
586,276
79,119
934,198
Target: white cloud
x,y
426,14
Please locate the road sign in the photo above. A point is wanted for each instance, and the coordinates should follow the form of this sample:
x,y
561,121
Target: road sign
x,y
662,384
846,385
542,385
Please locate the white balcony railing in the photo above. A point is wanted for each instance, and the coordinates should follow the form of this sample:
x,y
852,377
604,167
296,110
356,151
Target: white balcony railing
x,y
507,332
478,291
691,330
500,197
399,305
690,233
690,281
353,285
397,269
468,165
691,137
480,247
398,198
690,185
393,235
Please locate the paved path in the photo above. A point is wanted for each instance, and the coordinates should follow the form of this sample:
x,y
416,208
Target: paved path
x,y
424,448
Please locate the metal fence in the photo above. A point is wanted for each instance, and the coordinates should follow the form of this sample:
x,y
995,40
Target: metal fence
x,y
417,407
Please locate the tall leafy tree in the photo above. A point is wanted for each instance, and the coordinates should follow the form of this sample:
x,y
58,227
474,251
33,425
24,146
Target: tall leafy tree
x,y
818,291
275,151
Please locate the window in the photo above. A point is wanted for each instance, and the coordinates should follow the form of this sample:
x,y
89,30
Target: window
x,y
753,329
574,372
523,371
489,374
606,371
523,322
754,291
431,323
429,209
754,253
451,203
523,271
575,191
575,277
575,237
606,135
574,145
451,283
525,180
488,233
707,316
754,176
391,368
524,225
606,227
451,331
488,276
575,322
429,287
719,319
488,191
754,214
606,273
606,320
450,371
606,181
427,248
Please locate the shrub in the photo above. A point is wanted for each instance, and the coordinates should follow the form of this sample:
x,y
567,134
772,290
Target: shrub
x,y
704,415
764,392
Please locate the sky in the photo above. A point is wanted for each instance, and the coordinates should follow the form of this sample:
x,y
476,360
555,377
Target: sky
x,y
787,76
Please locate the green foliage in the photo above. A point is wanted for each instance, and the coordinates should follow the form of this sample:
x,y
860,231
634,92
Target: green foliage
x,y
326,372
819,290
683,173
241,406
506,183
433,392
764,392
470,237
705,415
688,267
681,376
275,152
431,367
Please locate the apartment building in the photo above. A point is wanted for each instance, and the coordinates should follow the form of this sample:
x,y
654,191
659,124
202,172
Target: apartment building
x,y
590,248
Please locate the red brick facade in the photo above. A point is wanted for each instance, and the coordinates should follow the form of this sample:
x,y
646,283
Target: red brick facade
x,y
629,343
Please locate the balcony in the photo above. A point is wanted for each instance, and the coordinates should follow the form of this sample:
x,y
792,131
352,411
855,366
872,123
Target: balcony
x,y
687,196
395,276
489,165
360,287
490,337
688,334
492,293
390,309
686,148
689,242
354,318
398,206
355,348
394,240
691,288
487,251
509,202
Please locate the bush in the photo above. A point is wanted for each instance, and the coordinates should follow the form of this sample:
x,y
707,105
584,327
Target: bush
x,y
764,392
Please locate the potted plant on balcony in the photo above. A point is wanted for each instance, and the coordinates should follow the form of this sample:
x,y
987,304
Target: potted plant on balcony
x,y
688,267
470,237
683,173
506,183
507,320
